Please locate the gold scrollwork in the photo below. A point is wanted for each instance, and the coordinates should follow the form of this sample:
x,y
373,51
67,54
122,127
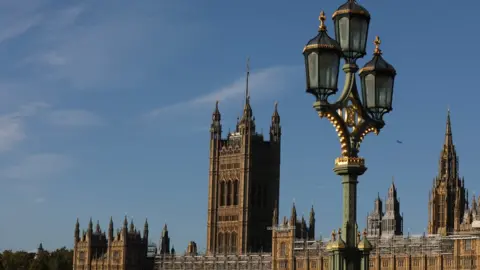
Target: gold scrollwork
x,y
350,117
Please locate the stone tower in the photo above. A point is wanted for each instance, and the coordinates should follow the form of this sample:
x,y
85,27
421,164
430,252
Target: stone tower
x,y
447,198
392,221
374,219
244,184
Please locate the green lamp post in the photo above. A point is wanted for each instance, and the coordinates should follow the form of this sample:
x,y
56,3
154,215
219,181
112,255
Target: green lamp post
x,y
352,117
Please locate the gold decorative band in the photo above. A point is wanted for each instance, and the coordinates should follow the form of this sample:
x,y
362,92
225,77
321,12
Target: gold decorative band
x,y
344,11
371,68
318,46
349,161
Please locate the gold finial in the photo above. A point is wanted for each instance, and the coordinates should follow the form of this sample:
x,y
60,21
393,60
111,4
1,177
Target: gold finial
x,y
377,43
333,235
322,19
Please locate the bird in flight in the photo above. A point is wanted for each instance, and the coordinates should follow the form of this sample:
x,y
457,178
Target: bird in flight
x,y
399,142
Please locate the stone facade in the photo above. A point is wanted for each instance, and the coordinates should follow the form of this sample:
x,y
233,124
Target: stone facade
x,y
244,184
244,230
99,250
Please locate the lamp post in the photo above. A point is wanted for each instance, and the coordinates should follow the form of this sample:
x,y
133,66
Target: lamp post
x,y
352,117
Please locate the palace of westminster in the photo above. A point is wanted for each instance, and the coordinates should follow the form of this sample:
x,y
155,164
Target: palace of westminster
x,y
244,230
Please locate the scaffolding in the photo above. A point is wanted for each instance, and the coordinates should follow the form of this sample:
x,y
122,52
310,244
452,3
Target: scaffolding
x,y
255,261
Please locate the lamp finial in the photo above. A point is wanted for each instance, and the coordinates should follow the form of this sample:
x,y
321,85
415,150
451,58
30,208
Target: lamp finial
x,y
377,43
322,19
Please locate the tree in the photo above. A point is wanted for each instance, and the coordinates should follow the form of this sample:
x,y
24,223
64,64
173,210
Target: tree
x,y
60,259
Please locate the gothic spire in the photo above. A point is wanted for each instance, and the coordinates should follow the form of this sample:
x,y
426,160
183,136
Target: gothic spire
x,y
77,230
392,191
247,122
98,229
275,128
448,160
216,117
247,109
293,216
311,224
110,229
378,205
448,130
275,214
312,215
216,127
90,225
132,226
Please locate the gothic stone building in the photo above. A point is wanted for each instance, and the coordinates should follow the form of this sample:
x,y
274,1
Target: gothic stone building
x,y
124,249
244,230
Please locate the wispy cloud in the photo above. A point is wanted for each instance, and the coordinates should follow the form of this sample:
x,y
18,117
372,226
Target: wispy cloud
x,y
19,27
109,49
12,129
74,118
262,82
38,167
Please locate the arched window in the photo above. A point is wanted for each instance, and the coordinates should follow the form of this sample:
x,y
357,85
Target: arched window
x,y
220,242
229,192
235,192
283,249
227,242
233,242
222,193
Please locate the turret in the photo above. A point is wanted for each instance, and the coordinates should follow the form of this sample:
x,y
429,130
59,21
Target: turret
x,y
90,228
110,230
191,249
125,223
392,219
311,225
275,215
303,229
216,127
145,230
76,234
165,241
374,219
293,216
98,230
275,128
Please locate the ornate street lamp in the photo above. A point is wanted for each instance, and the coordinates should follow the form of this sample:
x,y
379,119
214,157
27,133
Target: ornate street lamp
x,y
352,117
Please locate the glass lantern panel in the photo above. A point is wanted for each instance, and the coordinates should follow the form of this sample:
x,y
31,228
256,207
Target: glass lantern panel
x,y
344,33
370,91
384,90
328,70
358,36
313,70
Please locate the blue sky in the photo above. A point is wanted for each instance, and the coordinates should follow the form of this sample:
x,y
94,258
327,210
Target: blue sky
x,y
105,107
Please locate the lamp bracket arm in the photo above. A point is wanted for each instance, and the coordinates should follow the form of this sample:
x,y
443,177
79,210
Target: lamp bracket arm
x,y
330,112
347,89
